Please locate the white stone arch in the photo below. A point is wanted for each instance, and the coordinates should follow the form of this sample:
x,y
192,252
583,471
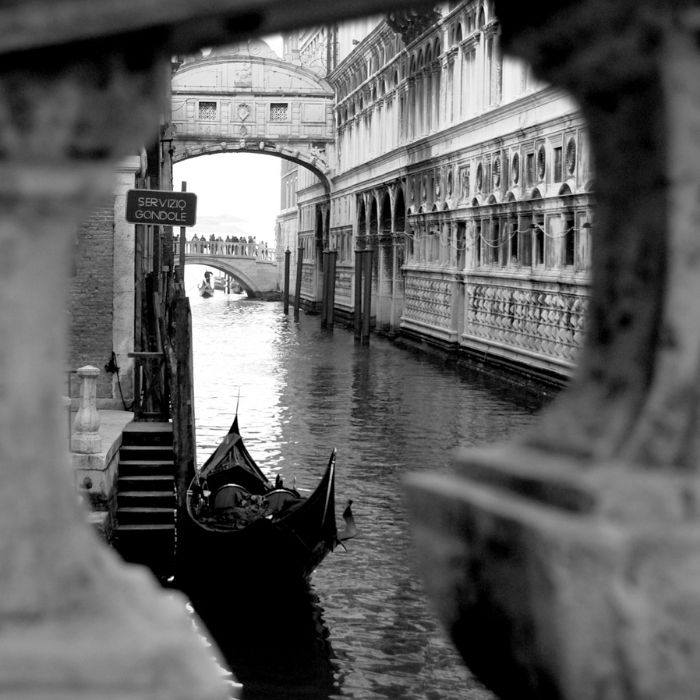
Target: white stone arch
x,y
243,98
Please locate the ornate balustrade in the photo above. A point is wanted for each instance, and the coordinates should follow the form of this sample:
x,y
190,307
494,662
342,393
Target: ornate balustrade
x,y
523,319
239,248
515,316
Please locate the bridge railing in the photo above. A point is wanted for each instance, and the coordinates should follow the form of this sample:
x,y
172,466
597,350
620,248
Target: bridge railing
x,y
245,248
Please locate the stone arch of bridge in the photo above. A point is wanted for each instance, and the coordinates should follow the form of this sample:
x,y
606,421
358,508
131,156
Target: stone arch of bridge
x,y
243,98
249,284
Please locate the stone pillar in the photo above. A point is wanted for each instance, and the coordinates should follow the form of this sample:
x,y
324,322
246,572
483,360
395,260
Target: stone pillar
x,y
74,621
85,437
124,271
566,566
397,287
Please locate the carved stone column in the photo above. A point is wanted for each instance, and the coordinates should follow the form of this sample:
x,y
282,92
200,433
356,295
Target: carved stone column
x,y
85,437
567,566
74,622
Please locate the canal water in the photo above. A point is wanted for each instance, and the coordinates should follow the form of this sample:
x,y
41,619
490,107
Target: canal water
x,y
363,627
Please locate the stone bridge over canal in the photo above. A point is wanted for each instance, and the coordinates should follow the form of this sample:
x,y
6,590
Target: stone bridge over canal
x,y
243,98
252,266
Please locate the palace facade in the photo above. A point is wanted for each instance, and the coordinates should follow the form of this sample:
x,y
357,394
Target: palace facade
x,y
469,179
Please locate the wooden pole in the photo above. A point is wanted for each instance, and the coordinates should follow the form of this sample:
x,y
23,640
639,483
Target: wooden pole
x,y
358,295
183,188
287,256
324,289
367,305
297,290
332,257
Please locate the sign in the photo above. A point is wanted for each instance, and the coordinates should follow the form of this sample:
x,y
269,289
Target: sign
x,y
161,207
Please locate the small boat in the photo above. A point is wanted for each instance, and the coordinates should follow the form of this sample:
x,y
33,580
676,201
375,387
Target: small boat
x,y
220,283
237,517
205,288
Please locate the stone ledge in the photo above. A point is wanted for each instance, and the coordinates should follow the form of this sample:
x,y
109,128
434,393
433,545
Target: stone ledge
x,y
94,474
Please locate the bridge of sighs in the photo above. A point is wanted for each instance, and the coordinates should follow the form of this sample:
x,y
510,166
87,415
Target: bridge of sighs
x,y
244,98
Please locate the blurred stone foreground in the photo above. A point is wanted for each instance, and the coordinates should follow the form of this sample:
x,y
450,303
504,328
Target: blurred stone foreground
x,y
567,566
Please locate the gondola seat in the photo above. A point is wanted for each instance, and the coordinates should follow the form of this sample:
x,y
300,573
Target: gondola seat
x,y
229,496
278,499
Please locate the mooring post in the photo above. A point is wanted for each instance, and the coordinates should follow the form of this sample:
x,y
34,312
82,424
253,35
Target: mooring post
x,y
183,242
332,256
287,255
297,289
324,289
367,301
358,295
85,437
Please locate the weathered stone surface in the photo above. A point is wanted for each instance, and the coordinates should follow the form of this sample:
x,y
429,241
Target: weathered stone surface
x,y
545,601
73,622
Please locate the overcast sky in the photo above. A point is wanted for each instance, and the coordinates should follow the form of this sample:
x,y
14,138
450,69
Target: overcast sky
x,y
237,193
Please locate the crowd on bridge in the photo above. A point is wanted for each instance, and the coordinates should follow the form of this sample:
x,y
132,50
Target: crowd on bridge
x,y
231,245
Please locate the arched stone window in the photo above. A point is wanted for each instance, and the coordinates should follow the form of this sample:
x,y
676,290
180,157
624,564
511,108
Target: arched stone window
x,y
373,218
400,211
362,219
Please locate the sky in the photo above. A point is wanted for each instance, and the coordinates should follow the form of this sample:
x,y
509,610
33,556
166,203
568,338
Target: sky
x,y
237,193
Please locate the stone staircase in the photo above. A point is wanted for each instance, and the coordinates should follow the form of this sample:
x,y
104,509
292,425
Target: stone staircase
x,y
145,516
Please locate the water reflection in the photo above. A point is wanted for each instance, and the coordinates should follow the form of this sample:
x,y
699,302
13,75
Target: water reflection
x,y
273,637
364,629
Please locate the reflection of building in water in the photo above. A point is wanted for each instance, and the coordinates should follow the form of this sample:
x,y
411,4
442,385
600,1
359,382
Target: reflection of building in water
x,y
470,181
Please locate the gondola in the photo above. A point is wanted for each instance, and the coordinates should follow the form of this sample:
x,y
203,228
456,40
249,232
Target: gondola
x,y
205,288
237,517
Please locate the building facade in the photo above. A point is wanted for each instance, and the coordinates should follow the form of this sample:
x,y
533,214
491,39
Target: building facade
x,y
469,180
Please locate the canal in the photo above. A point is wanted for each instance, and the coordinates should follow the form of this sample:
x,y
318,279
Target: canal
x,y
362,628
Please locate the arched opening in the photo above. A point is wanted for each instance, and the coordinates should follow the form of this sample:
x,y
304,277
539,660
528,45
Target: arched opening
x,y
362,219
400,211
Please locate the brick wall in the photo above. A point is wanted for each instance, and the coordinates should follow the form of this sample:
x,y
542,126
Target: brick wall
x,y
91,298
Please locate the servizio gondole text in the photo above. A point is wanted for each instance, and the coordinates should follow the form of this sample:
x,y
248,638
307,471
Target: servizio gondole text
x,y
156,207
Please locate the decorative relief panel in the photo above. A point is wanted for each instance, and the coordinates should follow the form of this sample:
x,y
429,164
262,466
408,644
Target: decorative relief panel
x,y
571,156
464,173
541,321
515,168
344,284
428,300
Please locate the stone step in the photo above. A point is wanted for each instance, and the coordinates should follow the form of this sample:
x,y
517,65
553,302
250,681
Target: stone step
x,y
146,452
146,482
146,515
139,467
145,499
141,529
148,433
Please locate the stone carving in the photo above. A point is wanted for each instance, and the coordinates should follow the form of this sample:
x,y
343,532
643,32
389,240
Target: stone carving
x,y
515,168
243,76
541,162
464,181
571,156
243,112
